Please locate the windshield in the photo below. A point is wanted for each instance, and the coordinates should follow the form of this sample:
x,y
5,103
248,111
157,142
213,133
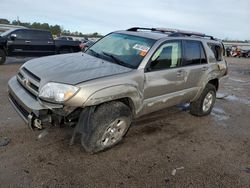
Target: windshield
x,y
123,49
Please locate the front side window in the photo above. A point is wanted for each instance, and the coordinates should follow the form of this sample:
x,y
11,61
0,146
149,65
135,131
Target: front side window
x,y
21,34
167,56
194,53
123,49
7,33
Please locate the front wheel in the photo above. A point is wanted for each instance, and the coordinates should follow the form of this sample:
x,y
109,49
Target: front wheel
x,y
2,57
204,104
107,126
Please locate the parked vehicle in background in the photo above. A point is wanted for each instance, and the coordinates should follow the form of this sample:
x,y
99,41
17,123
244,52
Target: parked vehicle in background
x,y
32,42
228,51
86,45
64,38
236,51
123,76
245,53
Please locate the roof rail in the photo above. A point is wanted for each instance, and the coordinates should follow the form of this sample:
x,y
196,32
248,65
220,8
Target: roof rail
x,y
173,32
141,28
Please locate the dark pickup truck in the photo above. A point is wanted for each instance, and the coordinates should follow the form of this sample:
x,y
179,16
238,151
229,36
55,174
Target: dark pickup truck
x,y
33,42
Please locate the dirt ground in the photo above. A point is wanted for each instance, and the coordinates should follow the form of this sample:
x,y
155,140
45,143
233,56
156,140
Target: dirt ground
x,y
169,148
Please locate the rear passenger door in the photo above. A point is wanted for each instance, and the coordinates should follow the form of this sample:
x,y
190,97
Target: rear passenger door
x,y
42,42
194,63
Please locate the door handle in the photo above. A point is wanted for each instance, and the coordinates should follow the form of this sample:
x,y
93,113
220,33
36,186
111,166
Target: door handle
x,y
204,68
180,73
27,41
50,42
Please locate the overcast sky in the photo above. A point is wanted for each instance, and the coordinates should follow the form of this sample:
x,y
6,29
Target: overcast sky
x,y
221,18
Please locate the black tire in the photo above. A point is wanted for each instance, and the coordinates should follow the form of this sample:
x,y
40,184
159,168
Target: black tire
x,y
100,123
196,107
2,57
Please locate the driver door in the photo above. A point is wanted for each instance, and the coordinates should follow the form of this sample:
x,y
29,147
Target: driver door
x,y
165,79
20,44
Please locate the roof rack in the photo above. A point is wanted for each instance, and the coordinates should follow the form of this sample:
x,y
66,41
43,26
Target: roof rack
x,y
172,32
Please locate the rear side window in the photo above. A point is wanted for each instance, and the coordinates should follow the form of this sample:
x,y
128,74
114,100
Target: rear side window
x,y
193,53
217,51
41,35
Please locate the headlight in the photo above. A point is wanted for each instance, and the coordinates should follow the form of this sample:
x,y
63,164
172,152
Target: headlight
x,y
56,92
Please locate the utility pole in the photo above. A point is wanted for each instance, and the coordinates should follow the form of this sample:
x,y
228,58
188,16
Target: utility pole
x,y
18,22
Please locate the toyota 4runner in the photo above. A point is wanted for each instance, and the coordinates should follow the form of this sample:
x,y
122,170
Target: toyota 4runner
x,y
123,76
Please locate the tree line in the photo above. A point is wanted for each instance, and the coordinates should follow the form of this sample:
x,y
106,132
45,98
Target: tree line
x,y
54,29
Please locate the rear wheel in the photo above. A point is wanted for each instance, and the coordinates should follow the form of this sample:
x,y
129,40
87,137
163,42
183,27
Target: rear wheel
x,y
107,126
204,104
2,57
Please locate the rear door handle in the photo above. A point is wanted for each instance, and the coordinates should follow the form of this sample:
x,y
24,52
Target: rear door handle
x,y
180,73
204,68
27,41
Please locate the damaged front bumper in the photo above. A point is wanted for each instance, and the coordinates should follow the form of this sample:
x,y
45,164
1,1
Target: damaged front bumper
x,y
28,106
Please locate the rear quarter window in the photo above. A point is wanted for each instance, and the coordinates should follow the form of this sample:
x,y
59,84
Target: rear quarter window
x,y
217,51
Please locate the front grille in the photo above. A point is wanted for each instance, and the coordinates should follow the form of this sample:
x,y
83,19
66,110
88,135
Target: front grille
x,y
29,81
20,75
33,86
31,74
24,112
31,93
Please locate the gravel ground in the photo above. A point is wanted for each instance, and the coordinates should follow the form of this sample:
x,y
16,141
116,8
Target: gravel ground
x,y
170,148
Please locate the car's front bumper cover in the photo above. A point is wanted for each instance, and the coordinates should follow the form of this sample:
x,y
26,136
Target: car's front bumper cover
x,y
26,104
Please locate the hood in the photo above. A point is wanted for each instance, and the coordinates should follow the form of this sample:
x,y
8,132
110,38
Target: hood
x,y
72,68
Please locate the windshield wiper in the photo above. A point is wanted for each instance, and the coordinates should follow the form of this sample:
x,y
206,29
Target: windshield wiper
x,y
94,53
117,60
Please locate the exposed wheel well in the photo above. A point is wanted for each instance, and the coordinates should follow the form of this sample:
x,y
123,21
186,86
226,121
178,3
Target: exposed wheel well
x,y
129,103
215,82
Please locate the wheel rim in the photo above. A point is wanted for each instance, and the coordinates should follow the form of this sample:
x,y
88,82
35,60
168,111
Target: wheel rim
x,y
208,101
115,131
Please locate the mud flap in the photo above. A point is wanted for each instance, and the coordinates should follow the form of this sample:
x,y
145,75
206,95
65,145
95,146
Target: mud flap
x,y
83,125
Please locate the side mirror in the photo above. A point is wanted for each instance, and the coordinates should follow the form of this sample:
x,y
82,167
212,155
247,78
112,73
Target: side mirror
x,y
13,36
149,69
85,48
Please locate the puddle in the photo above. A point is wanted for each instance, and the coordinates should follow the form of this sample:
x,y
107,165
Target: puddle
x,y
237,80
221,95
233,98
247,170
243,71
219,114
4,142
238,99
218,110
184,107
